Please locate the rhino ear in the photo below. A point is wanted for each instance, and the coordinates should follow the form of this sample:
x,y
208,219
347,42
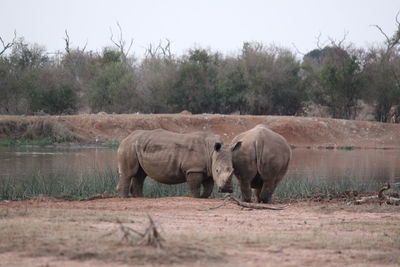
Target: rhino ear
x,y
217,146
236,146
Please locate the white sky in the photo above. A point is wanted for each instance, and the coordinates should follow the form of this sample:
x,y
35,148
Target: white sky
x,y
221,25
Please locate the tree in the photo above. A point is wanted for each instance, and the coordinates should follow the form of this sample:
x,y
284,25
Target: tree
x,y
273,80
195,87
113,85
158,73
22,76
333,78
231,86
382,71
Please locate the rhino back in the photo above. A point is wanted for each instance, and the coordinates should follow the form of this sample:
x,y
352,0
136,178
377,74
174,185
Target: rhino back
x,y
167,157
262,151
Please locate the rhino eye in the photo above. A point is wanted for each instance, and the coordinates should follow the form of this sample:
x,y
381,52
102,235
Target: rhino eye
x,y
217,170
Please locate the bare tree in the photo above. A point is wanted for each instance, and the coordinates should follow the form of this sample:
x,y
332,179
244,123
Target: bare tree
x,y
66,39
121,43
394,40
67,44
8,45
319,45
159,50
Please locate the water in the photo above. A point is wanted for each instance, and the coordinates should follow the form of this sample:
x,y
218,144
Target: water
x,y
24,161
365,165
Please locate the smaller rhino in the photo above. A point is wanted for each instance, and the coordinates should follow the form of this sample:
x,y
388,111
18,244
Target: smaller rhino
x,y
261,162
171,158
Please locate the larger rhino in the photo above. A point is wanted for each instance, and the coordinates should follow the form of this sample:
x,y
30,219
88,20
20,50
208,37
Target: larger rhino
x,y
171,158
261,162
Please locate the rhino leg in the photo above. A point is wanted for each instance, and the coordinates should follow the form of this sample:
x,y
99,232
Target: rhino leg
x,y
208,185
194,180
137,183
266,191
256,185
124,184
245,189
127,169
256,192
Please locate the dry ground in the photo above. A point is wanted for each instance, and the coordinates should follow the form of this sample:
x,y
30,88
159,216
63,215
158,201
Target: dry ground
x,y
48,232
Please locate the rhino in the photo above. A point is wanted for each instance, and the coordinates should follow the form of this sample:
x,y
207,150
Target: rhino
x,y
198,158
260,163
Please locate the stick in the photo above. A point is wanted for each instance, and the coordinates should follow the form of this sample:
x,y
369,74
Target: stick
x,y
253,206
230,199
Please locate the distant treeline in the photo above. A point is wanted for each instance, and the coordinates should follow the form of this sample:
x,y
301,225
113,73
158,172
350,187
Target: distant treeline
x,y
260,79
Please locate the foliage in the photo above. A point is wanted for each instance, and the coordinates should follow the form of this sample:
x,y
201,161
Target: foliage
x,y
259,80
195,88
157,76
112,87
382,76
333,79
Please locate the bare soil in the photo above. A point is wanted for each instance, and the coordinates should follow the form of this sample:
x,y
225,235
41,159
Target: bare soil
x,y
299,131
48,232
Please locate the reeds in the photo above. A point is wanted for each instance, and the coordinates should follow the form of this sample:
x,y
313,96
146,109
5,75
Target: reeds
x,y
297,187
76,185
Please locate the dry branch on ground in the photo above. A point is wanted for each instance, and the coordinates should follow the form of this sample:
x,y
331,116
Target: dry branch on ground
x,y
231,199
380,198
150,237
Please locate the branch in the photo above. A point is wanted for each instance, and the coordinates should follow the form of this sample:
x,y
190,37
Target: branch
x,y
112,40
318,42
231,199
121,43
149,51
297,50
67,44
84,47
395,39
339,44
66,39
381,196
384,34
8,45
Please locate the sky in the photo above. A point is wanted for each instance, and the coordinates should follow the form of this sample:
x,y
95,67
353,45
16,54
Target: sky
x,y
220,25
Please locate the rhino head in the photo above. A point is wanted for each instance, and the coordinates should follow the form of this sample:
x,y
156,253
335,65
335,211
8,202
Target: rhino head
x,y
222,167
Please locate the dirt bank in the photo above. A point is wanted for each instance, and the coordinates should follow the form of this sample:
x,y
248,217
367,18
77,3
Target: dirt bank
x,y
299,131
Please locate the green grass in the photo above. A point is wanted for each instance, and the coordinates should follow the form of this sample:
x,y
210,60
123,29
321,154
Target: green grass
x,y
305,187
111,143
61,184
75,185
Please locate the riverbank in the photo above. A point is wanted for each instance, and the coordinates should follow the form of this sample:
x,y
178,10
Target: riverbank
x,y
110,129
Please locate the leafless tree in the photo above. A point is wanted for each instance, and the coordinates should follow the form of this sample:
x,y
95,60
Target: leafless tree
x,y
67,44
8,45
394,40
159,50
121,43
319,45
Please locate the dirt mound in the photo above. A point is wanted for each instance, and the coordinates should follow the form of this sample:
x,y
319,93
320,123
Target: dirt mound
x,y
299,131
